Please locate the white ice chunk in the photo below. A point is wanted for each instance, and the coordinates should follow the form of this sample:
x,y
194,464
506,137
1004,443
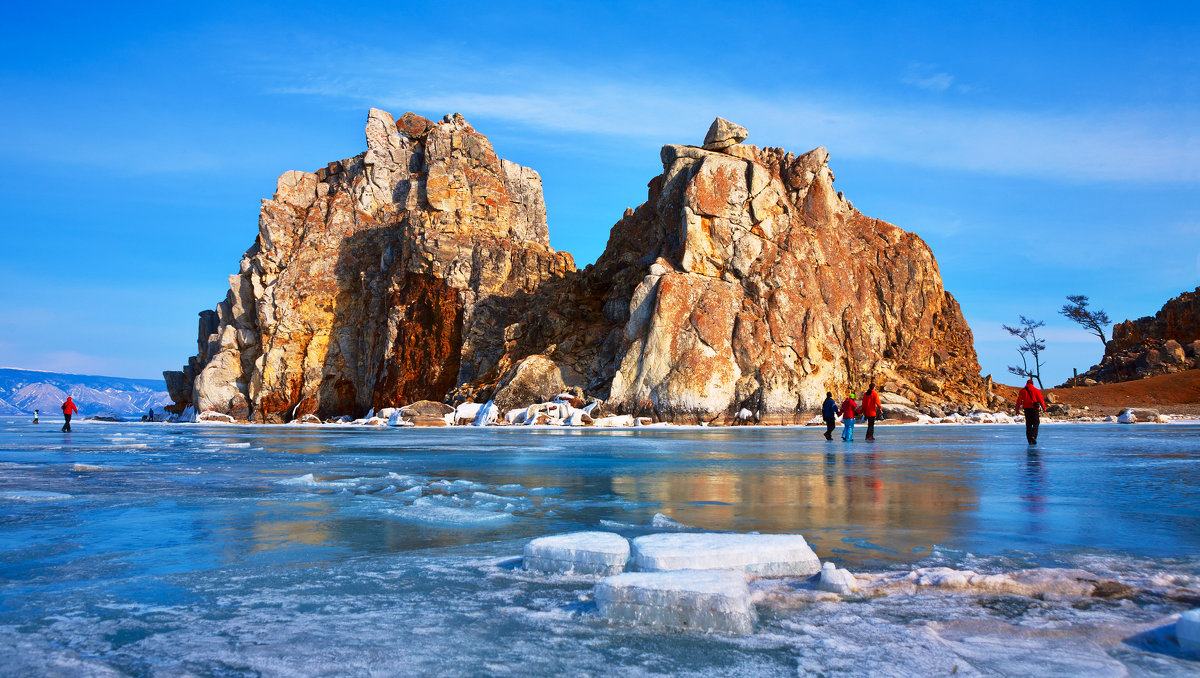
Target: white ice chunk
x,y
516,416
664,522
467,411
1187,630
711,600
837,580
487,414
602,553
767,555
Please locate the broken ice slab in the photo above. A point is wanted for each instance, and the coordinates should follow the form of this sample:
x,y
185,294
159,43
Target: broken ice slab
x,y
602,553
1187,631
706,600
765,555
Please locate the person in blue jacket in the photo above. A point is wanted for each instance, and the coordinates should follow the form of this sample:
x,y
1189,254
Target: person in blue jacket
x,y
829,411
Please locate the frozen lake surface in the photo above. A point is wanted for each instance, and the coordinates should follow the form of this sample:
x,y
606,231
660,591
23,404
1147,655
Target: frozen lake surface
x,y
154,549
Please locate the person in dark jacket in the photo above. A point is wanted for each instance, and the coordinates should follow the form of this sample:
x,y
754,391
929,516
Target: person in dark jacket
x,y
849,411
1031,401
68,409
829,411
870,410
35,416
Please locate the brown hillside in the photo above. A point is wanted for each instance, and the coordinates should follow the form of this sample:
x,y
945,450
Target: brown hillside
x,y
1177,393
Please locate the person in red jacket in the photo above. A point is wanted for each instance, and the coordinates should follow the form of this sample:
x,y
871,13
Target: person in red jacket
x,y
870,410
68,409
1030,399
849,411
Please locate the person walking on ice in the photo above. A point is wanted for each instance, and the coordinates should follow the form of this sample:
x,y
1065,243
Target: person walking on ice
x,y
68,409
870,410
849,411
1031,401
35,416
829,412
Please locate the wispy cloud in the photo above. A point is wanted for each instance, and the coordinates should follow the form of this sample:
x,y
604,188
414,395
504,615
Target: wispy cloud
x,y
925,77
1100,146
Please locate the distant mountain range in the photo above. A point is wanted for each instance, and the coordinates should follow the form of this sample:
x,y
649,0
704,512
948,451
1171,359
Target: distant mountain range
x,y
23,391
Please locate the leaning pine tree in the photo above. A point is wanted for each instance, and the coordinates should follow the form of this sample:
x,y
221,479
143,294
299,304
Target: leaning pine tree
x,y
1092,321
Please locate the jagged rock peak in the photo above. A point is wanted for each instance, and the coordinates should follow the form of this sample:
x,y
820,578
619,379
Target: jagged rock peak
x,y
723,134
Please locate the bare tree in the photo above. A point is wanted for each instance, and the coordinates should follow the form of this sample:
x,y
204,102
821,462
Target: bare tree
x,y
1092,321
1030,349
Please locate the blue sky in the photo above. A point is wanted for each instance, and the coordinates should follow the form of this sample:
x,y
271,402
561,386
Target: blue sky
x,y
1040,150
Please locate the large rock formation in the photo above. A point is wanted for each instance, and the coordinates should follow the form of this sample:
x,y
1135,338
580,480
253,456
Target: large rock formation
x,y
1164,343
361,288
421,269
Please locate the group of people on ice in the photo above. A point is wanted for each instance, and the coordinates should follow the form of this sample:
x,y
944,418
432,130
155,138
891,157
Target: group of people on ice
x,y
1029,402
849,410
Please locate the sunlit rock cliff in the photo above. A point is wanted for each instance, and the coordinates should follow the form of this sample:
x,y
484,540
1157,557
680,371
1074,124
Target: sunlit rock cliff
x,y
421,269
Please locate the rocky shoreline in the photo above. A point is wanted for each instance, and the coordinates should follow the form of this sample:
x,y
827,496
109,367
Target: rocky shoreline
x,y
568,411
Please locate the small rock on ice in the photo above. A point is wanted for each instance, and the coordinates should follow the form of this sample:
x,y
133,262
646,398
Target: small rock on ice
x,y
766,555
713,600
602,553
835,579
1187,630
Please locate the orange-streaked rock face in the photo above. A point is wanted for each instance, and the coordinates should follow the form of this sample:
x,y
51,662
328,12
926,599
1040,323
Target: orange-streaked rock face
x,y
422,269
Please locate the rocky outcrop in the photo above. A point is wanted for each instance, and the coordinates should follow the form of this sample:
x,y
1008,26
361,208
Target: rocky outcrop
x,y
362,287
747,281
421,269
1164,343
